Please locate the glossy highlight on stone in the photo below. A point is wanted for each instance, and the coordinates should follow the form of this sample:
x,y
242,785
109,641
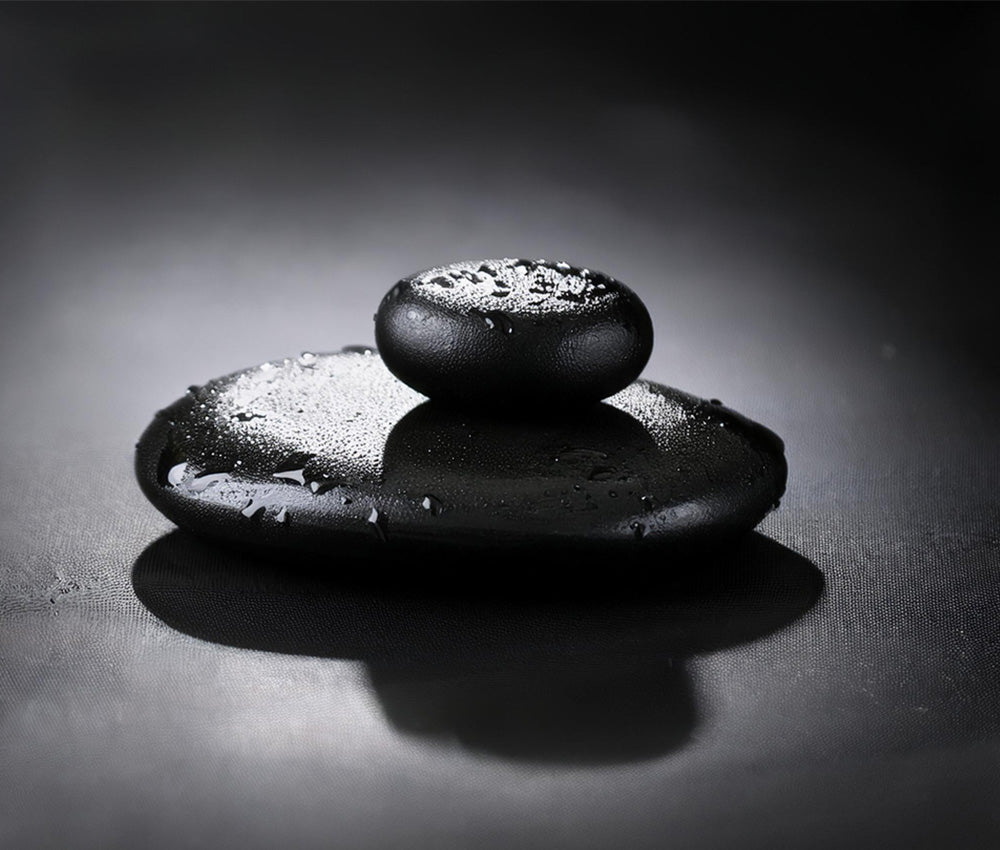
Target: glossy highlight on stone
x,y
331,454
499,334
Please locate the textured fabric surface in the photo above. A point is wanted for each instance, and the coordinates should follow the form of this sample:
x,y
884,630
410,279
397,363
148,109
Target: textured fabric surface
x,y
188,192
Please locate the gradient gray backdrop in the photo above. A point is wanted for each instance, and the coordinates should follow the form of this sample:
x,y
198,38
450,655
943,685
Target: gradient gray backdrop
x,y
803,196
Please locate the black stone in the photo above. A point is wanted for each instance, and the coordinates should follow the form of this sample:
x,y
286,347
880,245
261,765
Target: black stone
x,y
331,454
498,334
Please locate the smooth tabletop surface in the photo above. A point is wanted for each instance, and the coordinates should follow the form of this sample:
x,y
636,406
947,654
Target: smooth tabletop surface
x,y
804,200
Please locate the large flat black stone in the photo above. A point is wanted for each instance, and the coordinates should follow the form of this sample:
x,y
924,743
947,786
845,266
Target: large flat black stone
x,y
331,454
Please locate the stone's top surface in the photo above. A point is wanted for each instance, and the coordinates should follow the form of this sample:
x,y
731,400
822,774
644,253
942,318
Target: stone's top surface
x,y
336,410
490,334
517,287
332,454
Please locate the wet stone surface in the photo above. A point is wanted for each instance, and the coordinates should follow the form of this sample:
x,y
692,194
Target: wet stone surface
x,y
495,334
331,454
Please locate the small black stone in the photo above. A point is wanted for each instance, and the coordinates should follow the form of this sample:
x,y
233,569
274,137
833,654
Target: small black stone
x,y
500,334
331,454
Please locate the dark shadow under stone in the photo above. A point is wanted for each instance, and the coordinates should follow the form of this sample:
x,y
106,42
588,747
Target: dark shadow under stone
x,y
557,668
331,454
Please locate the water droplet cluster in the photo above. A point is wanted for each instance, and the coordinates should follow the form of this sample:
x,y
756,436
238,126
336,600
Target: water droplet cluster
x,y
518,288
313,420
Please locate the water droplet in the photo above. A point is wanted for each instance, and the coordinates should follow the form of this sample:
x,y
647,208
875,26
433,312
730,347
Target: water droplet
x,y
442,281
613,494
296,475
377,522
432,504
204,481
638,529
486,269
501,321
648,502
176,474
367,350
245,416
321,485
714,401
601,473
193,389
494,320
307,359
253,507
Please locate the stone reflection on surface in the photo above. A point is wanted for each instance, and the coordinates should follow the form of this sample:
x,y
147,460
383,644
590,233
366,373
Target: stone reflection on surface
x,y
544,666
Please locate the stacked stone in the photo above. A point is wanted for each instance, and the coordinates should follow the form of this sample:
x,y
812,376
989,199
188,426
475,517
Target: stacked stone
x,y
501,411
514,334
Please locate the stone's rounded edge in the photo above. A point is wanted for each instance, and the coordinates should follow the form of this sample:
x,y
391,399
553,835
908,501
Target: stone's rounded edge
x,y
769,446
148,453
489,356
402,528
644,333
152,462
224,523
426,345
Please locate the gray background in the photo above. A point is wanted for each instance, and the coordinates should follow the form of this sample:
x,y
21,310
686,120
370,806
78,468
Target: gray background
x,y
804,199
